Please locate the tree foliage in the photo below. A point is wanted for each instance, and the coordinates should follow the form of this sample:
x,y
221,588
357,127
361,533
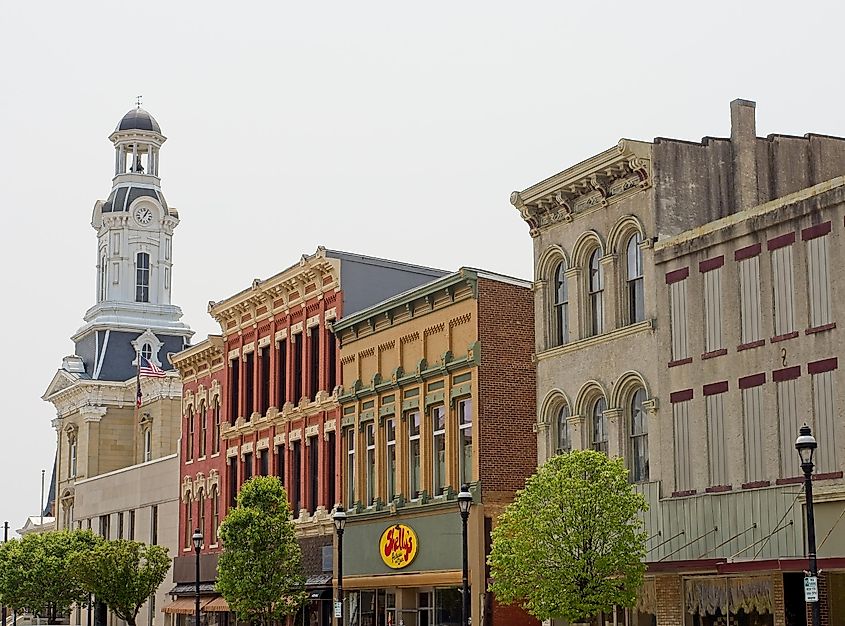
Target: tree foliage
x,y
260,570
36,573
572,543
122,574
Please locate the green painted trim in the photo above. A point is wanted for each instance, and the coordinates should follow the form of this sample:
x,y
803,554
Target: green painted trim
x,y
462,378
410,403
460,390
411,393
425,502
389,409
435,397
438,384
347,420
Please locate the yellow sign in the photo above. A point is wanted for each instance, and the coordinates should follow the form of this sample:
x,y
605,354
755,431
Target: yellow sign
x,y
398,546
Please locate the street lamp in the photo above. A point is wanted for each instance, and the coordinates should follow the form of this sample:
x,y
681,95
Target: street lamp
x,y
464,504
197,539
339,519
806,446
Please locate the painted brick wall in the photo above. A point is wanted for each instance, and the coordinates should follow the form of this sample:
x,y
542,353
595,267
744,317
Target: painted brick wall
x,y
507,389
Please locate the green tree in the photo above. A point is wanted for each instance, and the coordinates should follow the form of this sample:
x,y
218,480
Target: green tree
x,y
122,574
260,569
572,543
36,572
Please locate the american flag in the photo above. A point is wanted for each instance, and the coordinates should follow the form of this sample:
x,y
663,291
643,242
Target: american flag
x,y
150,369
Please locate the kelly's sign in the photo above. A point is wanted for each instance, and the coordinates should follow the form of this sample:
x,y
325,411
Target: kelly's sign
x,y
398,546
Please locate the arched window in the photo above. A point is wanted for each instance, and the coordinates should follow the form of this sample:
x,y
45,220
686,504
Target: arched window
x,y
639,438
203,416
596,288
560,330
564,437
634,277
189,454
215,444
215,514
201,511
72,454
148,444
599,426
142,277
104,270
147,352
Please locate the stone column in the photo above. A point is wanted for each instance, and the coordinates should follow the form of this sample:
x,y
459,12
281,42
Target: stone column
x,y
576,431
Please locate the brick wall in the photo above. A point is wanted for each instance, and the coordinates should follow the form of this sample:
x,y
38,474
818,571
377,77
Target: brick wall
x,y
670,606
507,389
824,608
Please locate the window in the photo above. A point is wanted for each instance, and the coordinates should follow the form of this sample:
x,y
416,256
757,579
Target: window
x,y
215,514
215,443
788,422
390,456
72,455
234,390
783,288
147,352
189,451
189,523
678,313
818,281
639,438
314,362
825,417
331,366
148,444
564,437
370,475
717,438
233,482
298,389
682,441
120,525
130,531
752,426
350,467
560,331
295,476
635,291
438,433
282,368
247,466
749,300
599,427
201,512
465,441
264,379
280,463
203,417
142,277
313,473
249,385
414,458
596,289
332,472
105,524
713,310
264,462
104,267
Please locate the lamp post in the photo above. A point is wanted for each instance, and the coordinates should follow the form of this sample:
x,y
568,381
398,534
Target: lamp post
x,y
339,519
464,504
197,539
806,446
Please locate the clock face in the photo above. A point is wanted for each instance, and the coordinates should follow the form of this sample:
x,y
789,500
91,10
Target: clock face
x,y
144,215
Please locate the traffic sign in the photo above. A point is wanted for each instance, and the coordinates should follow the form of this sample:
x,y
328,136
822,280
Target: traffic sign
x,y
338,608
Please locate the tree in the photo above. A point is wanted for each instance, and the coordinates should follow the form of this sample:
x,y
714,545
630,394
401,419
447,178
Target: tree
x,y
572,543
259,572
36,572
122,574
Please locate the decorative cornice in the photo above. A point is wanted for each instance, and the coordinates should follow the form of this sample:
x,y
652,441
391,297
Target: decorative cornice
x,y
625,331
591,184
189,360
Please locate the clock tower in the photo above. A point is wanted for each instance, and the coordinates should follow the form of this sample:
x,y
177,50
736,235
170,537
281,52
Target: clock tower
x,y
133,313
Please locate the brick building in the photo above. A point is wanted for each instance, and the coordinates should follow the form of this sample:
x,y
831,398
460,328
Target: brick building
x,y
438,392
686,310
272,378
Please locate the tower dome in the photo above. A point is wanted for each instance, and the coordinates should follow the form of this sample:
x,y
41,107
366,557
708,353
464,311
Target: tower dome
x,y
138,119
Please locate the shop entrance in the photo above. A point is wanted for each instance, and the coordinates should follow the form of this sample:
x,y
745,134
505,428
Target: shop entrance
x,y
404,607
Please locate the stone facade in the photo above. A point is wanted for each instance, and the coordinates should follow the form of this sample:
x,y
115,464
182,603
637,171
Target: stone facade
x,y
438,392
686,308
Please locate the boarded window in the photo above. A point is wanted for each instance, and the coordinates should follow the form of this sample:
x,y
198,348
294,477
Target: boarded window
x,y
824,429
713,310
678,319
749,299
683,445
717,439
782,286
788,423
818,281
752,413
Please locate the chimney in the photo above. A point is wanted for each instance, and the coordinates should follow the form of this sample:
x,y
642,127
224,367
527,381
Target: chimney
x,y
744,147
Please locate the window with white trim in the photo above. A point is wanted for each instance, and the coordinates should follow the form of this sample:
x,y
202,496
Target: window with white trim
x,y
783,289
148,444
749,300
72,455
215,514
142,277
215,443
560,330
390,456
104,271
465,442
595,287
634,279
598,430
370,474
562,431
414,454
350,466
189,454
638,421
438,435
818,281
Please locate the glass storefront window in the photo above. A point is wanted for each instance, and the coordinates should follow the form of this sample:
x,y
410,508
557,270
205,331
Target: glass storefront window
x,y
447,607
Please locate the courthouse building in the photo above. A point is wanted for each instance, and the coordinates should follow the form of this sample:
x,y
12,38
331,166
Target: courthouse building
x,y
686,319
438,391
116,465
262,400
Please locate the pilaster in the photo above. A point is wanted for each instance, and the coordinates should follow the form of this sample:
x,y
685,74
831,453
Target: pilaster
x,y
576,307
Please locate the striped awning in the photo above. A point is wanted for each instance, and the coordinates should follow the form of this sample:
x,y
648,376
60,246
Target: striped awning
x,y
183,606
217,604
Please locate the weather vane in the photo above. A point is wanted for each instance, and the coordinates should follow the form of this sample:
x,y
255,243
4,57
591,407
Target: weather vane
x,y
138,101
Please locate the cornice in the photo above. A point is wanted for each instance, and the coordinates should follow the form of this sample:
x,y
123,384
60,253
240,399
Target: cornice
x,y
625,331
202,353
324,403
595,183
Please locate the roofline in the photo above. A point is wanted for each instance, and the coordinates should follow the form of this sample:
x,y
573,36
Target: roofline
x,y
210,343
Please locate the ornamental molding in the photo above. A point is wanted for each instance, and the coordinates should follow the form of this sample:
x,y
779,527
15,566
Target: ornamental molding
x,y
593,184
574,346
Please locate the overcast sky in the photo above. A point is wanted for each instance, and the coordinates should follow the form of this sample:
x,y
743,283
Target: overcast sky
x,y
393,129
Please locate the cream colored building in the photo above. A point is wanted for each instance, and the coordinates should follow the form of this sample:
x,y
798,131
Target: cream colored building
x,y
686,307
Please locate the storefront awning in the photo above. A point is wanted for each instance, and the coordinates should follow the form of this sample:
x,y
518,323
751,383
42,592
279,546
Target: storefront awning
x,y
318,580
183,606
217,604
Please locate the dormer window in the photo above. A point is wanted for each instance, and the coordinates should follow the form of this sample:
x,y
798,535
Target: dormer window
x,y
147,352
142,277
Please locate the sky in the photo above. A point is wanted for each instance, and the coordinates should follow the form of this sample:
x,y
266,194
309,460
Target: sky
x,y
393,129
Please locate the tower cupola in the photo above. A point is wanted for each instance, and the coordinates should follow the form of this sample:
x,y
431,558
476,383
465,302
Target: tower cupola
x,y
137,141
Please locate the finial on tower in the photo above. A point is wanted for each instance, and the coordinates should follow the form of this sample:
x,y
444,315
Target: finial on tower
x,y
138,101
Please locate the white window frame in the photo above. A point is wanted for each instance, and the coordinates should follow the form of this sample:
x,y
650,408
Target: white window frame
x,y
438,481
465,408
414,441
595,293
634,279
